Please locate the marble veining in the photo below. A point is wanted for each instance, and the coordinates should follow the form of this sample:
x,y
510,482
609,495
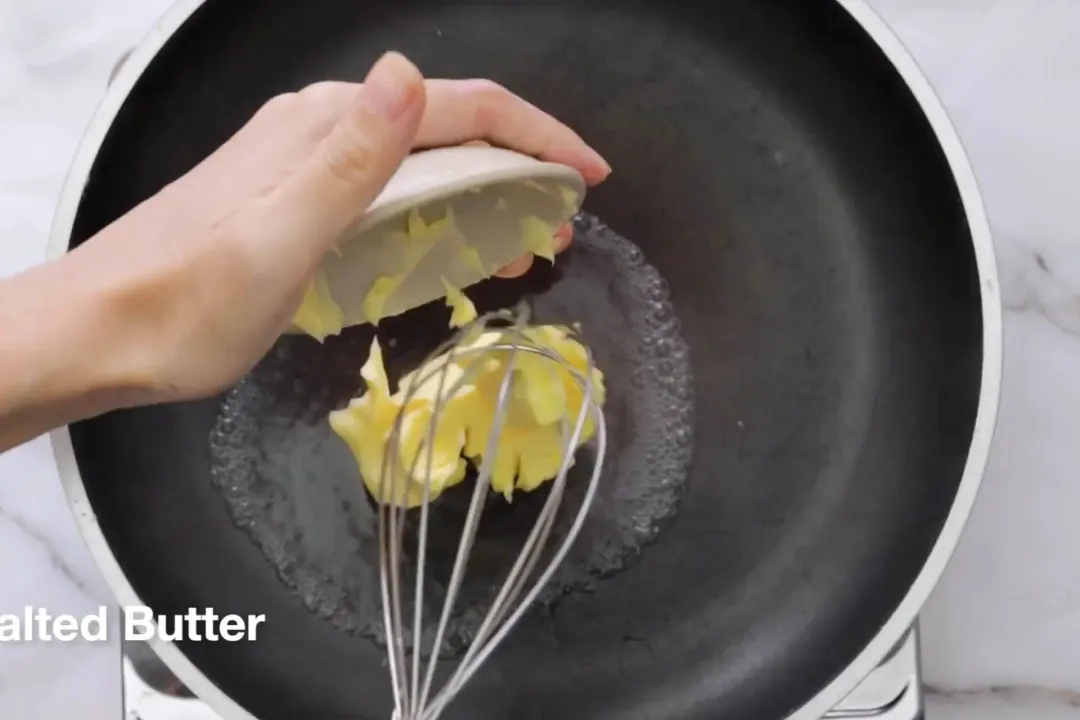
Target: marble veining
x,y
1007,612
1002,703
55,57
1001,635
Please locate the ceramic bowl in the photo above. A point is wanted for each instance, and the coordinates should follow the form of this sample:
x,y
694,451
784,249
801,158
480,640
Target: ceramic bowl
x,y
451,215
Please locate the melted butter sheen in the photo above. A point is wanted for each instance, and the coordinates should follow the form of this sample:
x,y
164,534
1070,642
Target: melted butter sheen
x,y
290,483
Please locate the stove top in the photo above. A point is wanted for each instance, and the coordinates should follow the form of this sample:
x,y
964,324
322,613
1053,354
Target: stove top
x,y
893,691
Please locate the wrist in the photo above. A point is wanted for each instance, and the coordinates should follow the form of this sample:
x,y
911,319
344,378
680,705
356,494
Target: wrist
x,y
63,351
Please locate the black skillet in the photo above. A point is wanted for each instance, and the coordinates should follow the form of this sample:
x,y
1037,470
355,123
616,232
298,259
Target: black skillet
x,y
779,174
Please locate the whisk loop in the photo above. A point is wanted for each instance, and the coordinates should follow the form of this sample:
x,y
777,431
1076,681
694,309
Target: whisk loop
x,y
411,678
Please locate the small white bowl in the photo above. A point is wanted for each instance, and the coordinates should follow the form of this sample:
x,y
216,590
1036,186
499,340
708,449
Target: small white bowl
x,y
488,192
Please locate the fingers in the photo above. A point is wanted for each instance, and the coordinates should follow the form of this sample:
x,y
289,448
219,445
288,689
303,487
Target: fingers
x,y
465,111
462,111
353,162
563,236
517,268
459,111
521,266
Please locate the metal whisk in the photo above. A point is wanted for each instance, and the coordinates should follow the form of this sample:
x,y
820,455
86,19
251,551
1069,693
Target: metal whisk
x,y
412,678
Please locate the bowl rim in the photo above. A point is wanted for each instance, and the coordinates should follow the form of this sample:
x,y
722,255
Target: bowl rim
x,y
391,208
426,179
397,200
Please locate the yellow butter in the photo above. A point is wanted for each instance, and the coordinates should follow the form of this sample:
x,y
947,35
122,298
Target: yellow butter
x,y
419,466
471,257
461,391
534,185
374,302
569,197
538,238
462,310
319,315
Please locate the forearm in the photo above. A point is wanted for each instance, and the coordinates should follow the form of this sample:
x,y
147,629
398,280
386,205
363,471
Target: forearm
x,y
62,350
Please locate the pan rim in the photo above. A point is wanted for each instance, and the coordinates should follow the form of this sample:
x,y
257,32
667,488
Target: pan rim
x,y
906,611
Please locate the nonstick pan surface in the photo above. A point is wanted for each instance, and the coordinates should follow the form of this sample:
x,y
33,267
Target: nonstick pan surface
x,y
832,280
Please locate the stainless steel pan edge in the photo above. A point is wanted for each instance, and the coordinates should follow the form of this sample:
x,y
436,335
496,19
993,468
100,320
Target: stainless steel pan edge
x,y
125,79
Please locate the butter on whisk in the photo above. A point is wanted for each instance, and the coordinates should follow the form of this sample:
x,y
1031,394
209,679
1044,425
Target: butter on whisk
x,y
428,430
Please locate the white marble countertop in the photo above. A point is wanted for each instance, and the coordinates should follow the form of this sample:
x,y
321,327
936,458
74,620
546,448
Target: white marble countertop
x,y
1001,636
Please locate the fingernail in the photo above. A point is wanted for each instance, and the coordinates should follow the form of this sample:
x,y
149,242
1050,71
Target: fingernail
x,y
391,86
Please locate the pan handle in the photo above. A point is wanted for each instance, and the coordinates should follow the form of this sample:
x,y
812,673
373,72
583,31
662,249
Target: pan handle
x,y
117,65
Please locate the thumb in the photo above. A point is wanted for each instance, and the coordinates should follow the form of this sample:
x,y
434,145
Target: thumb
x,y
348,169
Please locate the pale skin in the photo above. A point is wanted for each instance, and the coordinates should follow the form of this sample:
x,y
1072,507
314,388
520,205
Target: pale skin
x,y
180,297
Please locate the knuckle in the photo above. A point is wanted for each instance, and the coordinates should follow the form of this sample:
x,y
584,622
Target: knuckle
x,y
277,104
350,157
317,88
319,92
485,88
321,105
490,100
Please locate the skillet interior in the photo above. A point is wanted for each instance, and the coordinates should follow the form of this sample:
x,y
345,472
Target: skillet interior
x,y
777,172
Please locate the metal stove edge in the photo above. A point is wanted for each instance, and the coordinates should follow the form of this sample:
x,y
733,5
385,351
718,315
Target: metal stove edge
x,y
893,691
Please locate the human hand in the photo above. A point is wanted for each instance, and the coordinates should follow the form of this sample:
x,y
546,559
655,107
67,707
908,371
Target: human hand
x,y
204,276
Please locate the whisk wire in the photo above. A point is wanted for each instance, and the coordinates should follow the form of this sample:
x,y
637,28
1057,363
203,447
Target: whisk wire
x,y
411,693
472,521
418,605
392,527
467,669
